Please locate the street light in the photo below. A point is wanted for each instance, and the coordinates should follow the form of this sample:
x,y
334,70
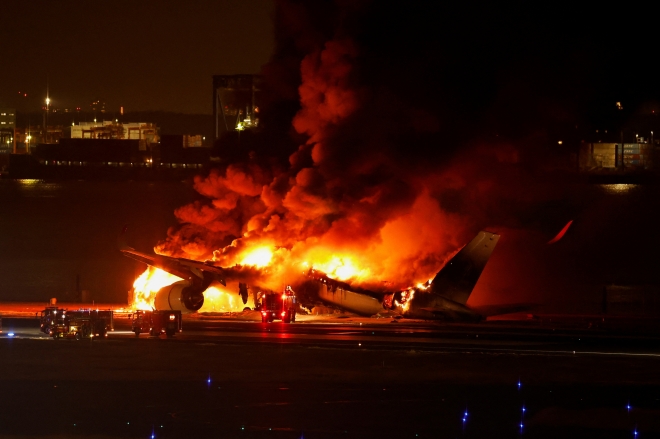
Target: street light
x,y
46,118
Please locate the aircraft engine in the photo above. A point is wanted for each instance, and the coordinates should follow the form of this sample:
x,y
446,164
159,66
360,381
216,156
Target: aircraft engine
x,y
180,296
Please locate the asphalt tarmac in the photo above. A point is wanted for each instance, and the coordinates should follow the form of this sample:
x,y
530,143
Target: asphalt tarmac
x,y
227,376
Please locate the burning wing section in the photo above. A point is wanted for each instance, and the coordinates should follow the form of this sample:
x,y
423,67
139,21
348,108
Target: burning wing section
x,y
186,295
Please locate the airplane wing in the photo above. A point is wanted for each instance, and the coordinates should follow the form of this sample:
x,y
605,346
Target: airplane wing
x,y
184,268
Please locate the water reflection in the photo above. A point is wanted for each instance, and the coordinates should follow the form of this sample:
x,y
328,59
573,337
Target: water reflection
x,y
29,181
619,189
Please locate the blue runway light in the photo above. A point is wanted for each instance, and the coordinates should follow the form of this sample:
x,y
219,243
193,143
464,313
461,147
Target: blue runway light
x,y
10,334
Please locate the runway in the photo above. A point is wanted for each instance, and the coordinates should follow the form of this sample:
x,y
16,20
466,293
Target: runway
x,y
503,337
224,377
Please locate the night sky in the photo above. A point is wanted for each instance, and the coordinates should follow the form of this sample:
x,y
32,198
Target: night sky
x,y
508,67
443,119
142,55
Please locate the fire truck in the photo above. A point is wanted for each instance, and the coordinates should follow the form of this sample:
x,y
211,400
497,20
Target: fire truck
x,y
78,324
276,306
156,322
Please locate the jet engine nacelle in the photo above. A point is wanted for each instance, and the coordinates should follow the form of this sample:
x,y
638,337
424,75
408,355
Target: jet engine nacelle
x,y
180,296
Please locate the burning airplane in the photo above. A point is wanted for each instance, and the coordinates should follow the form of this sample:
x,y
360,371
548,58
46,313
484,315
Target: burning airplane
x,y
181,284
356,200
444,297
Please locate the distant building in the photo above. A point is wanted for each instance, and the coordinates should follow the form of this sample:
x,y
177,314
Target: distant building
x,y
145,133
638,155
7,118
7,127
98,106
235,102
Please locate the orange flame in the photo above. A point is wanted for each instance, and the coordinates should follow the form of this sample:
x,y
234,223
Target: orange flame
x,y
341,268
147,285
258,257
406,298
218,298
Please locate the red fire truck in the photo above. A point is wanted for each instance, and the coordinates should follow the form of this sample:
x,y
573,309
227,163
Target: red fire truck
x,y
276,306
156,322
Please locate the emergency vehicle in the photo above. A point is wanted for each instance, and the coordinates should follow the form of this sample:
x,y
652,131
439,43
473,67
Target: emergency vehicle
x,y
276,306
78,324
156,322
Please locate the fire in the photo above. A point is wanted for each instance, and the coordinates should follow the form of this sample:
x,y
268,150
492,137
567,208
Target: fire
x,y
220,299
341,268
217,298
147,285
406,298
258,257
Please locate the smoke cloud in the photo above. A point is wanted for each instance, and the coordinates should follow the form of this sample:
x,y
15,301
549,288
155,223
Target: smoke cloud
x,y
398,148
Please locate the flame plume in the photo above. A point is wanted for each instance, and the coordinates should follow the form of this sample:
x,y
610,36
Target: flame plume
x,y
147,285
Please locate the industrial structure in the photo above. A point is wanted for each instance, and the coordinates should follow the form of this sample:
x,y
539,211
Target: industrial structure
x,y
145,133
641,155
236,100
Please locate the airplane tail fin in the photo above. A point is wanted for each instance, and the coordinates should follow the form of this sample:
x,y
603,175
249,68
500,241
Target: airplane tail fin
x,y
458,277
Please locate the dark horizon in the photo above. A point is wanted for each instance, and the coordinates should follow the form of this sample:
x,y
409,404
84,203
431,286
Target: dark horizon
x,y
153,55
